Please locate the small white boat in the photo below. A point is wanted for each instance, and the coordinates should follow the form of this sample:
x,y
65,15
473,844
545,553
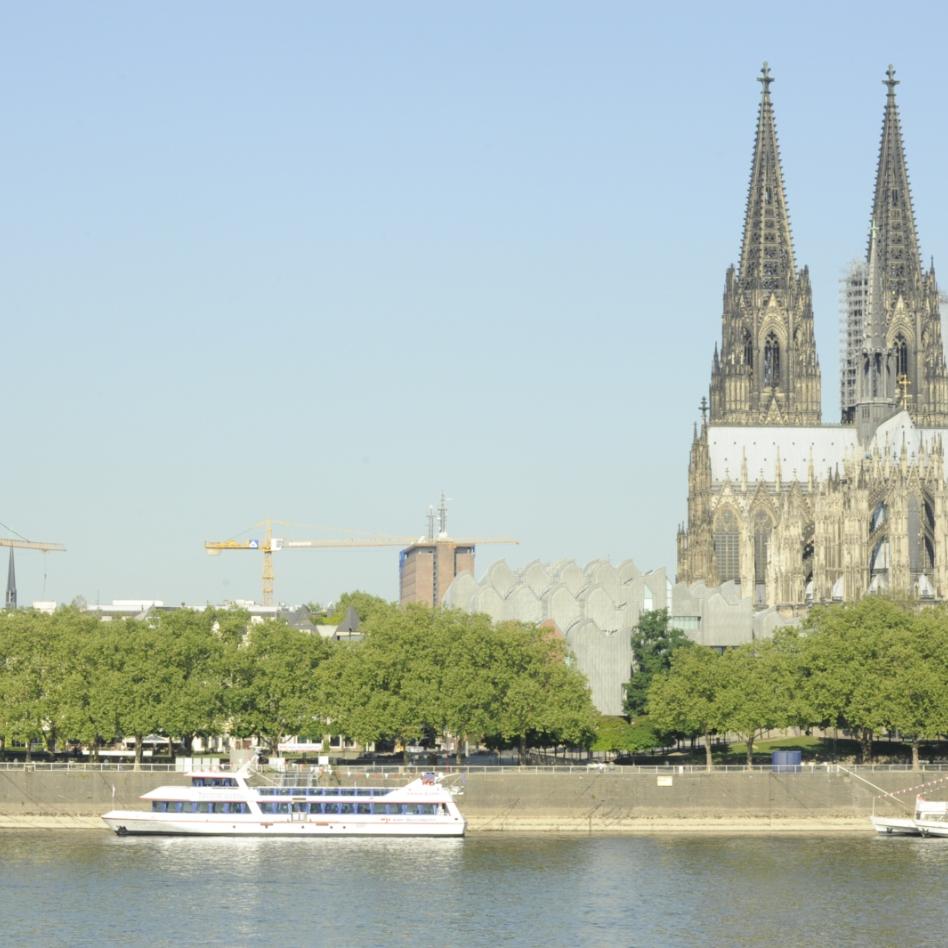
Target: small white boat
x,y
931,818
219,803
926,812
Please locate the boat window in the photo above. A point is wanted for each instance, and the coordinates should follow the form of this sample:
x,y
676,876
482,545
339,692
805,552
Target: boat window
x,y
197,781
363,808
178,806
301,808
159,806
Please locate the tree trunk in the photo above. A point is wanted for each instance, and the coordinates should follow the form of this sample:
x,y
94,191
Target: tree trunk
x,y
138,750
865,745
522,749
916,763
459,750
707,752
750,752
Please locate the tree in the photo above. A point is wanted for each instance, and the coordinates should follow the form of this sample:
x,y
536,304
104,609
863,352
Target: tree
x,y
385,686
653,644
617,735
687,697
365,604
273,682
31,654
542,699
847,656
192,649
467,654
917,691
755,692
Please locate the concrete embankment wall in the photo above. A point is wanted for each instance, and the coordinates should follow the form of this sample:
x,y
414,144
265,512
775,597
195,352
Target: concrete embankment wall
x,y
535,801
76,793
607,801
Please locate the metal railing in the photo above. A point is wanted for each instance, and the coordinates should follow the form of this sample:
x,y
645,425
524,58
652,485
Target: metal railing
x,y
84,766
354,769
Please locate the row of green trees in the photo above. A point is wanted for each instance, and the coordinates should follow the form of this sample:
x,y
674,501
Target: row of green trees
x,y
417,673
871,667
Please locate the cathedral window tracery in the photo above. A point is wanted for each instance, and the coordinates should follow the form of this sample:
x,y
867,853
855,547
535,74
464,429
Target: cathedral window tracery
x,y
762,530
901,355
772,361
727,548
748,349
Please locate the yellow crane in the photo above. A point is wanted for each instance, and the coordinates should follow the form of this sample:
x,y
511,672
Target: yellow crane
x,y
33,545
271,544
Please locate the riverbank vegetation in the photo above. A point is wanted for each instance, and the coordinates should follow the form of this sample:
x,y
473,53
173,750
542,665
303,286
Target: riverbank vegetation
x,y
417,674
871,667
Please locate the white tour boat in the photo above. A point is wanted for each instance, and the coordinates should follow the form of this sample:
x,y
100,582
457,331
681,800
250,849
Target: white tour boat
x,y
221,803
927,812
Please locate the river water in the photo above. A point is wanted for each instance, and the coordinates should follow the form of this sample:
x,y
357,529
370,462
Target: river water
x,y
91,888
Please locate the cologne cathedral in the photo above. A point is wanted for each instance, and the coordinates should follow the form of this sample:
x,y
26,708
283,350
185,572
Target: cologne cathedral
x,y
793,510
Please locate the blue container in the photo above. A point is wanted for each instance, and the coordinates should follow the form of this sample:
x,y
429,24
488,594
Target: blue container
x,y
786,762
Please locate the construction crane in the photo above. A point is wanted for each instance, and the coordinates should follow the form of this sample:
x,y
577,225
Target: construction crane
x,y
23,544
271,544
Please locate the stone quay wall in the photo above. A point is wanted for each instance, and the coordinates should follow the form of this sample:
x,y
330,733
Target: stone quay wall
x,y
535,801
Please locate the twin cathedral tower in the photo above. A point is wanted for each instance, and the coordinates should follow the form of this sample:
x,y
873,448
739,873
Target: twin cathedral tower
x,y
792,510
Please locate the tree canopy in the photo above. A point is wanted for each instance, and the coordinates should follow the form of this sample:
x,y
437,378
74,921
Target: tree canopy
x,y
871,666
416,673
653,644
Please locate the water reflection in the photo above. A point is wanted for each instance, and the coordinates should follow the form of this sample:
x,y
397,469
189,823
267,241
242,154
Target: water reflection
x,y
81,888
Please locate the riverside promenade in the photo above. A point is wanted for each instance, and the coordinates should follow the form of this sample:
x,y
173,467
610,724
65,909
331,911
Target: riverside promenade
x,y
569,799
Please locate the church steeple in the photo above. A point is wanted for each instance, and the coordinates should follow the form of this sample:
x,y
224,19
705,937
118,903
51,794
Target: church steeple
x,y
768,372
903,360
767,253
11,583
893,217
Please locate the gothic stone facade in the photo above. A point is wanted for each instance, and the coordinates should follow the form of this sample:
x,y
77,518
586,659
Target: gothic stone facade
x,y
793,510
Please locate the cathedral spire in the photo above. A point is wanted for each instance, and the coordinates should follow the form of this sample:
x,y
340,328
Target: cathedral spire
x,y
893,217
767,254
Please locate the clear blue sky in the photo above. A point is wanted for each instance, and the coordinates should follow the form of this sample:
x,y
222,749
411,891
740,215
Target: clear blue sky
x,y
320,261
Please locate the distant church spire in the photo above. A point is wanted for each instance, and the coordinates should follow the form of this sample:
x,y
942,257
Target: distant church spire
x,y
11,583
767,253
893,217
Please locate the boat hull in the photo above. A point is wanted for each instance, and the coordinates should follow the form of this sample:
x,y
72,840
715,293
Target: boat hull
x,y
144,823
895,825
932,827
